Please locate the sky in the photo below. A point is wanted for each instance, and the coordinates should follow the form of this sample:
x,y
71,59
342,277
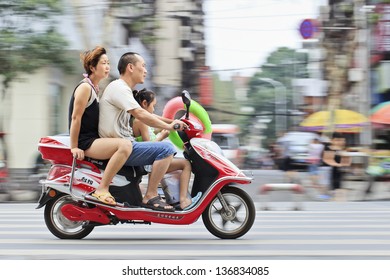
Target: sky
x,y
241,34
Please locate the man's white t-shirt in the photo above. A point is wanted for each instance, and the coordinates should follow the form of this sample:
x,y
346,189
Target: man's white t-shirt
x,y
114,120
315,150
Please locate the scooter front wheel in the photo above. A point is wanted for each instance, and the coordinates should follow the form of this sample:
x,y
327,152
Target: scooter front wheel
x,y
235,219
59,225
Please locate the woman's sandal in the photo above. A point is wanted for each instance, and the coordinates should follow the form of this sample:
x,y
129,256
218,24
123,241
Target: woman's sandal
x,y
156,203
103,198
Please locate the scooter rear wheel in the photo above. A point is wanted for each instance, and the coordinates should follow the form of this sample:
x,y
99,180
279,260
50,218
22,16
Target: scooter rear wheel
x,y
60,226
235,222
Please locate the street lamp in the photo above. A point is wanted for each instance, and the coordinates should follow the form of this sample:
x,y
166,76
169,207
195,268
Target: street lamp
x,y
280,89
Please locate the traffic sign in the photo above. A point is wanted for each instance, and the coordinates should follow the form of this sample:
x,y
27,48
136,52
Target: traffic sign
x,y
308,28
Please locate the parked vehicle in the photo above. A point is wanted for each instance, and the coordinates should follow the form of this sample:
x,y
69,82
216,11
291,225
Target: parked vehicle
x,y
298,143
227,211
3,159
227,137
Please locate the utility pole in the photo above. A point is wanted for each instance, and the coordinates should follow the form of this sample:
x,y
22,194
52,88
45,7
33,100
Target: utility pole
x,y
366,135
340,44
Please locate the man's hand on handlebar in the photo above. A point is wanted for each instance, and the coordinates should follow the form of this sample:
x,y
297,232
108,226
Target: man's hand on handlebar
x,y
178,125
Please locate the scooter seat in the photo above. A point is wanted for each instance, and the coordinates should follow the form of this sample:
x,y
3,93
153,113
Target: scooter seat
x,y
128,171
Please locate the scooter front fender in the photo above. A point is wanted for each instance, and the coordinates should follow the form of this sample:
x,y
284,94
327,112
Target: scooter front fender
x,y
242,180
213,190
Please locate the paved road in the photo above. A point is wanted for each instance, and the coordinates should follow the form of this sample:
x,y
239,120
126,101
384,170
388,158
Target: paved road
x,y
323,230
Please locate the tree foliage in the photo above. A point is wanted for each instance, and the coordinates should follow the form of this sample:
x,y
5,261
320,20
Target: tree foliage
x,y
29,39
283,65
223,108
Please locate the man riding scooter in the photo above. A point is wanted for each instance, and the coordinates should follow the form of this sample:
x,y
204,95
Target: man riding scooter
x,y
227,210
116,107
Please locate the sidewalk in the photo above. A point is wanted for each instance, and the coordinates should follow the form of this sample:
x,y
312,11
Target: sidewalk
x,y
327,206
354,197
355,191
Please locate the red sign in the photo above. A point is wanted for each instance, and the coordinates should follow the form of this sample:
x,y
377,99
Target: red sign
x,y
205,86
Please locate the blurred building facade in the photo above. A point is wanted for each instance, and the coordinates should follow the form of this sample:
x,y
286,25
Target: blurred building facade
x,y
169,34
349,65
379,23
334,62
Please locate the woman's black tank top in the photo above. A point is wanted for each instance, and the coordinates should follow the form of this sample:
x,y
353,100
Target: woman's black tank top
x,y
89,122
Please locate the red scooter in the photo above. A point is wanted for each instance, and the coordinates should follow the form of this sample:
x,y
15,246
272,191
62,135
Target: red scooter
x,y
227,211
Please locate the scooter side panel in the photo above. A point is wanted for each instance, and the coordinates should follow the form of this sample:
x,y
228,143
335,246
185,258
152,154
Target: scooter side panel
x,y
204,175
130,193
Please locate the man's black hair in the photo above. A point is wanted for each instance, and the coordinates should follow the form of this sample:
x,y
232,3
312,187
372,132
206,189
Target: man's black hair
x,y
125,59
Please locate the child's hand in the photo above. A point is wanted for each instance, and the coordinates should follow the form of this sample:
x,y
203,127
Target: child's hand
x,y
164,134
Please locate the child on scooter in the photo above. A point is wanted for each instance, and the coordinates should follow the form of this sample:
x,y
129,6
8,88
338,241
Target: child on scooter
x,y
142,132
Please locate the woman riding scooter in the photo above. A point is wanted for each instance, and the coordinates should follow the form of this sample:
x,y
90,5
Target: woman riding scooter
x,y
83,123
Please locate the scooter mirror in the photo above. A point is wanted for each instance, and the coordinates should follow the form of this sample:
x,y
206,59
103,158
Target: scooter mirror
x,y
185,95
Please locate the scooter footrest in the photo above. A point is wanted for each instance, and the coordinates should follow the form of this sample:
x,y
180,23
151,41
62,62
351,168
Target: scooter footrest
x,y
94,200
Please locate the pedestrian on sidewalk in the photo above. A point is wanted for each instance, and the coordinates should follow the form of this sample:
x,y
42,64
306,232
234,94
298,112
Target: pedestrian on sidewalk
x,y
314,160
335,155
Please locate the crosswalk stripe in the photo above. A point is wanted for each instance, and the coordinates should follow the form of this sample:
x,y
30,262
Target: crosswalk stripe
x,y
238,242
263,226
363,233
179,233
152,253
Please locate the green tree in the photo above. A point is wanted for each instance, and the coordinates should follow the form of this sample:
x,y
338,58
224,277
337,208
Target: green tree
x,y
224,102
28,41
283,65
28,38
